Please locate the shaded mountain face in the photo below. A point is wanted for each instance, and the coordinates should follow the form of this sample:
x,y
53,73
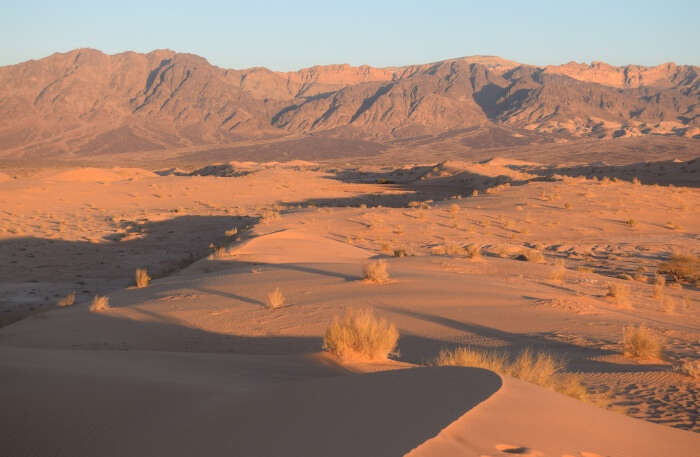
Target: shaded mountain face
x,y
87,102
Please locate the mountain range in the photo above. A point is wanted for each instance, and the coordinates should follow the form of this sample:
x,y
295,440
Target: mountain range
x,y
85,102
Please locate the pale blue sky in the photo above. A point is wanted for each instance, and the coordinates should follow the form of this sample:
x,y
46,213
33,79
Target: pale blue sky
x,y
291,35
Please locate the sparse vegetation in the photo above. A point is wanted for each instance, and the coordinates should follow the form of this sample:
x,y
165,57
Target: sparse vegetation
x,y
68,300
619,294
360,335
669,305
530,255
232,232
99,303
142,278
473,251
275,298
538,368
689,368
558,271
400,252
376,272
659,283
640,343
269,216
682,267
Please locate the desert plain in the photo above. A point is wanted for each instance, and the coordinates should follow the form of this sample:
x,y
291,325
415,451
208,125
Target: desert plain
x,y
581,253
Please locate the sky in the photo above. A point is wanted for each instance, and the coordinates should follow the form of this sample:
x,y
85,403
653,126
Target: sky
x,y
296,34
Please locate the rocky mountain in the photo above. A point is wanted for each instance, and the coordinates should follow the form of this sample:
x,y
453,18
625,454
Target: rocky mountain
x,y
88,102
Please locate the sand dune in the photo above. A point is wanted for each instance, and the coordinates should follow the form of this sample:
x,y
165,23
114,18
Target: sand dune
x,y
197,363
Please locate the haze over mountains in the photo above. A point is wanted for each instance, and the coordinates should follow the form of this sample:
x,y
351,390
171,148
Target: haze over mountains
x,y
85,102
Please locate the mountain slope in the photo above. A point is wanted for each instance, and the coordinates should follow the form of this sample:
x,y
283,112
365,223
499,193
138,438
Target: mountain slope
x,y
87,102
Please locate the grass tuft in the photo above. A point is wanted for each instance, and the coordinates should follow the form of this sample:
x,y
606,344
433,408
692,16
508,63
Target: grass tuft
x,y
689,368
682,267
640,343
68,300
534,367
619,294
558,271
99,303
142,278
360,335
376,272
275,299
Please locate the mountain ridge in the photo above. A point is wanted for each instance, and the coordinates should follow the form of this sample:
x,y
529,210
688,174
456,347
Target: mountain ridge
x,y
87,102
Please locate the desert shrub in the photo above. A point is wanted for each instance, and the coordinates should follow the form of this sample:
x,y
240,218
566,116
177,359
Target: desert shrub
x,y
640,343
669,305
531,255
534,367
142,278
269,215
400,252
619,294
558,271
659,283
630,222
99,303
376,272
682,267
360,335
453,249
473,251
68,300
689,368
231,232
275,298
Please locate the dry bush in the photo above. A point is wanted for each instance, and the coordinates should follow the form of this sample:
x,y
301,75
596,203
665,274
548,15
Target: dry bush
x,y
453,249
669,305
531,255
473,251
386,248
360,335
231,232
537,368
682,267
640,343
630,222
620,294
376,272
558,271
142,278
269,215
68,300
99,303
400,252
275,299
659,283
689,368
